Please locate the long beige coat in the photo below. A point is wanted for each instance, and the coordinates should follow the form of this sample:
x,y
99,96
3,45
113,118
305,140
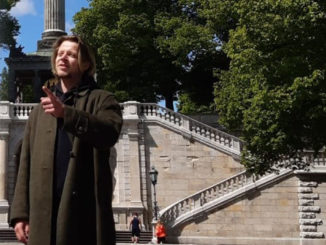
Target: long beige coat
x,y
85,212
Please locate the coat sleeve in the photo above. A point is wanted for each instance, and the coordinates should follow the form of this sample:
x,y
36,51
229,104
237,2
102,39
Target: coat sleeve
x,y
101,128
20,206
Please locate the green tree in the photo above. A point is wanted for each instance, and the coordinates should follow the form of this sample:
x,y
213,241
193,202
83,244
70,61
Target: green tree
x,y
129,63
9,27
4,85
275,90
151,49
194,44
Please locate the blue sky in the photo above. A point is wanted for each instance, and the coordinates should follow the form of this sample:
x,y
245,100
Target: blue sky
x,y
29,14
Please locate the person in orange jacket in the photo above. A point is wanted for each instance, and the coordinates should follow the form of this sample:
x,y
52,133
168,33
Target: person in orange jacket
x,y
160,232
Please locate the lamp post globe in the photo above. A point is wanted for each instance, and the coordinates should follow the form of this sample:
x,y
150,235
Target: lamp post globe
x,y
153,173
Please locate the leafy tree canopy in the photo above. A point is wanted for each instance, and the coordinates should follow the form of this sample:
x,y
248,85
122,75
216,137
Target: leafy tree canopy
x,y
9,27
151,48
129,63
4,85
275,90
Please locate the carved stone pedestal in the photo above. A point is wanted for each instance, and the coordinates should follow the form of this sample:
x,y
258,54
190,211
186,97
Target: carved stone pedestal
x,y
4,208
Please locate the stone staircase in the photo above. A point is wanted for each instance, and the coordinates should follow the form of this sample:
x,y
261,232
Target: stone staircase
x,y
188,127
8,236
228,190
125,237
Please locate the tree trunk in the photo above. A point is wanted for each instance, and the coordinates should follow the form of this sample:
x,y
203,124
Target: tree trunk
x,y
169,101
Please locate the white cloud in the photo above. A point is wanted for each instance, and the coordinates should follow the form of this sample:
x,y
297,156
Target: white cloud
x,y
23,7
69,26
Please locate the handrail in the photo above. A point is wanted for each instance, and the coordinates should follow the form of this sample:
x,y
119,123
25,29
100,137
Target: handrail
x,y
200,198
21,110
191,126
133,110
227,189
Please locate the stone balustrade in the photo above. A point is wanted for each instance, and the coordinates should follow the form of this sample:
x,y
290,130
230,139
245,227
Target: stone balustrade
x,y
21,111
191,128
196,201
226,190
13,111
152,112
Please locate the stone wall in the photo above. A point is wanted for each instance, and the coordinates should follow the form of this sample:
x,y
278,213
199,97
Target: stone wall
x,y
185,166
291,211
190,157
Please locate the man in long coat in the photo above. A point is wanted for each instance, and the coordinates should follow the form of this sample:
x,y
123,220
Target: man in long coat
x,y
64,186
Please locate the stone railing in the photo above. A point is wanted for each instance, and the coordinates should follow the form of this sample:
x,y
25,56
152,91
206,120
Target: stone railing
x,y
227,190
151,112
217,195
12,111
21,111
171,214
190,127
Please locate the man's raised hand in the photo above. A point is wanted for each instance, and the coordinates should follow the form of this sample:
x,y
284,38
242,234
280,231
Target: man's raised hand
x,y
51,104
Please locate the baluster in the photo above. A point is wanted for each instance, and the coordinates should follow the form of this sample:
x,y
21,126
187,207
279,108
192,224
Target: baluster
x,y
226,187
180,208
214,190
208,133
172,118
221,189
176,211
177,120
154,110
189,204
217,137
204,197
202,131
167,116
236,182
212,136
150,110
20,111
231,185
15,111
145,110
222,139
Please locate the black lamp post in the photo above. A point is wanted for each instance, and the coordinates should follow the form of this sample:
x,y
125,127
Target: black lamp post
x,y
153,174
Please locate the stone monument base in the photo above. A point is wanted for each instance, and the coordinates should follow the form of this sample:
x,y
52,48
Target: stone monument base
x,y
4,208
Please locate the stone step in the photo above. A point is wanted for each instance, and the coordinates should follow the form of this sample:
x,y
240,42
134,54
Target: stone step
x,y
125,237
8,235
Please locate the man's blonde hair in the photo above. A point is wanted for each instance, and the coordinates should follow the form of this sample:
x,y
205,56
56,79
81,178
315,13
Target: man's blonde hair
x,y
85,54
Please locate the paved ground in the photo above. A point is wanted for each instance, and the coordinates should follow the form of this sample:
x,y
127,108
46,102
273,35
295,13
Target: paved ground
x,y
17,243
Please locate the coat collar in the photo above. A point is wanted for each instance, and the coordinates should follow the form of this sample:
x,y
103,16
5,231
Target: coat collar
x,y
85,86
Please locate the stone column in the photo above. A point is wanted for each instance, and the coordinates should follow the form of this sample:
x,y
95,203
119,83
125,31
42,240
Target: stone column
x,y
54,18
3,163
12,91
4,133
37,86
54,23
131,121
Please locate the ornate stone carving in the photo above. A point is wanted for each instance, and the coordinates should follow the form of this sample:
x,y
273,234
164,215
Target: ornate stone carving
x,y
308,211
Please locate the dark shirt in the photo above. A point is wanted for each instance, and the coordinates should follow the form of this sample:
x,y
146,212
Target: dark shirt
x,y
135,223
62,148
